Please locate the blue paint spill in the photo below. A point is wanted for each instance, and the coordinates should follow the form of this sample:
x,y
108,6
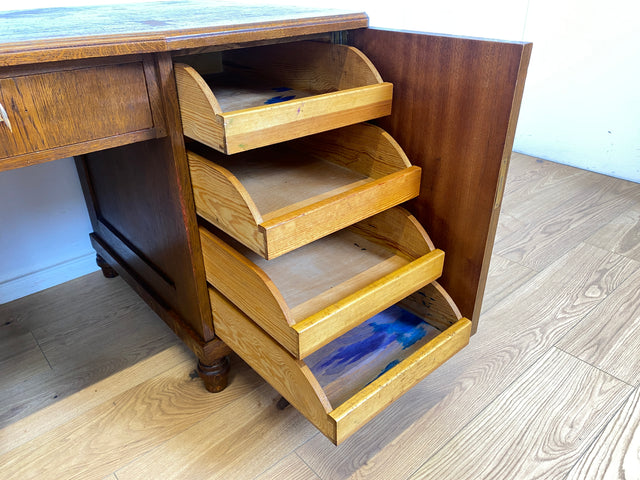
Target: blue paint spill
x,y
394,325
279,98
281,89
388,367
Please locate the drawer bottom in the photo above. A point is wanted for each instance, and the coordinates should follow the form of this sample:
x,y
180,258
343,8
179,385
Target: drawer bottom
x,y
342,386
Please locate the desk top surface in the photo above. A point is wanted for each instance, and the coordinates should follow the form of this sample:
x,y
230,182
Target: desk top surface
x,y
52,34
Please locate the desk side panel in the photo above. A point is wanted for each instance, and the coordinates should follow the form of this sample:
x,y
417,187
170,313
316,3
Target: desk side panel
x,y
455,107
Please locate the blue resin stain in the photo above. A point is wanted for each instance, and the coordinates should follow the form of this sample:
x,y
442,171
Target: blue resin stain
x,y
281,89
387,368
392,325
279,98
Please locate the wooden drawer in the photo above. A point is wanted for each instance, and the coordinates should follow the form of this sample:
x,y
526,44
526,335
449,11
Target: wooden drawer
x,y
45,111
242,99
276,199
349,381
314,294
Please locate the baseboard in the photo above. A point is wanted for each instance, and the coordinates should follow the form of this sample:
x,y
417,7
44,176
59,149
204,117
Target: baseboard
x,y
47,277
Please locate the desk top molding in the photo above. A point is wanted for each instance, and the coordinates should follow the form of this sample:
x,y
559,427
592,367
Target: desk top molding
x,y
66,33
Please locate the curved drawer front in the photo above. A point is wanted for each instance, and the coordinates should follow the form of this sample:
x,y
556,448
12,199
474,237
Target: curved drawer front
x,y
279,198
248,98
61,108
347,383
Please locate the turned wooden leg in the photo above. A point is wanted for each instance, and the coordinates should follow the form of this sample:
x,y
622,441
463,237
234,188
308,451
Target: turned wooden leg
x,y
215,375
107,270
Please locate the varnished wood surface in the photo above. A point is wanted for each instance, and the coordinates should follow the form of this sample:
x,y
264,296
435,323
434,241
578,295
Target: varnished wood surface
x,y
586,427
455,107
52,34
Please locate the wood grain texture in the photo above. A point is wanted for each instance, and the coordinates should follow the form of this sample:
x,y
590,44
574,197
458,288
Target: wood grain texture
x,y
124,427
107,30
515,334
577,402
80,345
86,106
305,300
290,467
615,455
505,277
85,399
582,204
227,445
323,86
461,97
606,337
520,329
621,235
277,199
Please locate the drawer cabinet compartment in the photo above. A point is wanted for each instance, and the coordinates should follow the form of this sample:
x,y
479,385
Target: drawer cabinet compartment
x,y
278,198
349,381
314,294
243,99
60,108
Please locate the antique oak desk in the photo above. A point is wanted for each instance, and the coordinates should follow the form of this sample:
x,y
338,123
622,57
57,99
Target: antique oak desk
x,y
119,88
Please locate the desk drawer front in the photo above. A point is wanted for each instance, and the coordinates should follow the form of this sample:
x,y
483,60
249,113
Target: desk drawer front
x,y
56,109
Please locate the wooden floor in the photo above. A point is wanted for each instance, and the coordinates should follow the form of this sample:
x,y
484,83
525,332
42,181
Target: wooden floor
x,y
93,385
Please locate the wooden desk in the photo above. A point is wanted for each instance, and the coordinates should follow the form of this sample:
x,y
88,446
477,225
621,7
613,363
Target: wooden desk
x,y
98,83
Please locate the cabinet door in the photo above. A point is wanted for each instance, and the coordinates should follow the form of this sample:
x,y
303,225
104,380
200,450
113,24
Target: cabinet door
x,y
455,106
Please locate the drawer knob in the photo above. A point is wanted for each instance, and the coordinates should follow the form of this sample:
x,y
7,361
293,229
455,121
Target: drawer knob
x,y
4,118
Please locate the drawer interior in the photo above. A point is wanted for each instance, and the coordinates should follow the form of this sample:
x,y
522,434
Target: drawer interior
x,y
246,98
310,296
349,381
278,198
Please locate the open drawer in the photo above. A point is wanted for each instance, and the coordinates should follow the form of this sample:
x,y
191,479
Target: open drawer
x,y
241,99
278,198
314,294
349,381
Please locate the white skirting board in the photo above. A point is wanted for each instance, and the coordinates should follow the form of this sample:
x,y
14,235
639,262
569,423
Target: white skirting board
x,y
47,277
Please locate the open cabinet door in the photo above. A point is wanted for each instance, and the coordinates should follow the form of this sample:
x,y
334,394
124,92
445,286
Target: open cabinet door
x,y
455,106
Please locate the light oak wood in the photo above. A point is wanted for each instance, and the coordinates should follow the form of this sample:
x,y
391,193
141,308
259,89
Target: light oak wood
x,y
147,415
615,455
277,199
297,383
555,409
312,295
324,86
292,468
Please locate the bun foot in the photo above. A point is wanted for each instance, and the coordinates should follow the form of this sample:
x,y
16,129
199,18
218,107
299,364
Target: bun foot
x,y
107,270
216,375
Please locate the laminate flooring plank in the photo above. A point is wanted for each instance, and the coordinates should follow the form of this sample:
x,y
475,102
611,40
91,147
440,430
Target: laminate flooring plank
x,y
609,337
20,355
67,409
504,278
514,334
239,442
532,182
615,455
621,235
114,433
537,428
290,467
549,232
83,328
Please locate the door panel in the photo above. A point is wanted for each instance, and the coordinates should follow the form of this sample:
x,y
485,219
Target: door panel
x,y
455,107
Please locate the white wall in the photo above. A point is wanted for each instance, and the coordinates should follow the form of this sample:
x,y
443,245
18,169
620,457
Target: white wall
x,y
581,107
